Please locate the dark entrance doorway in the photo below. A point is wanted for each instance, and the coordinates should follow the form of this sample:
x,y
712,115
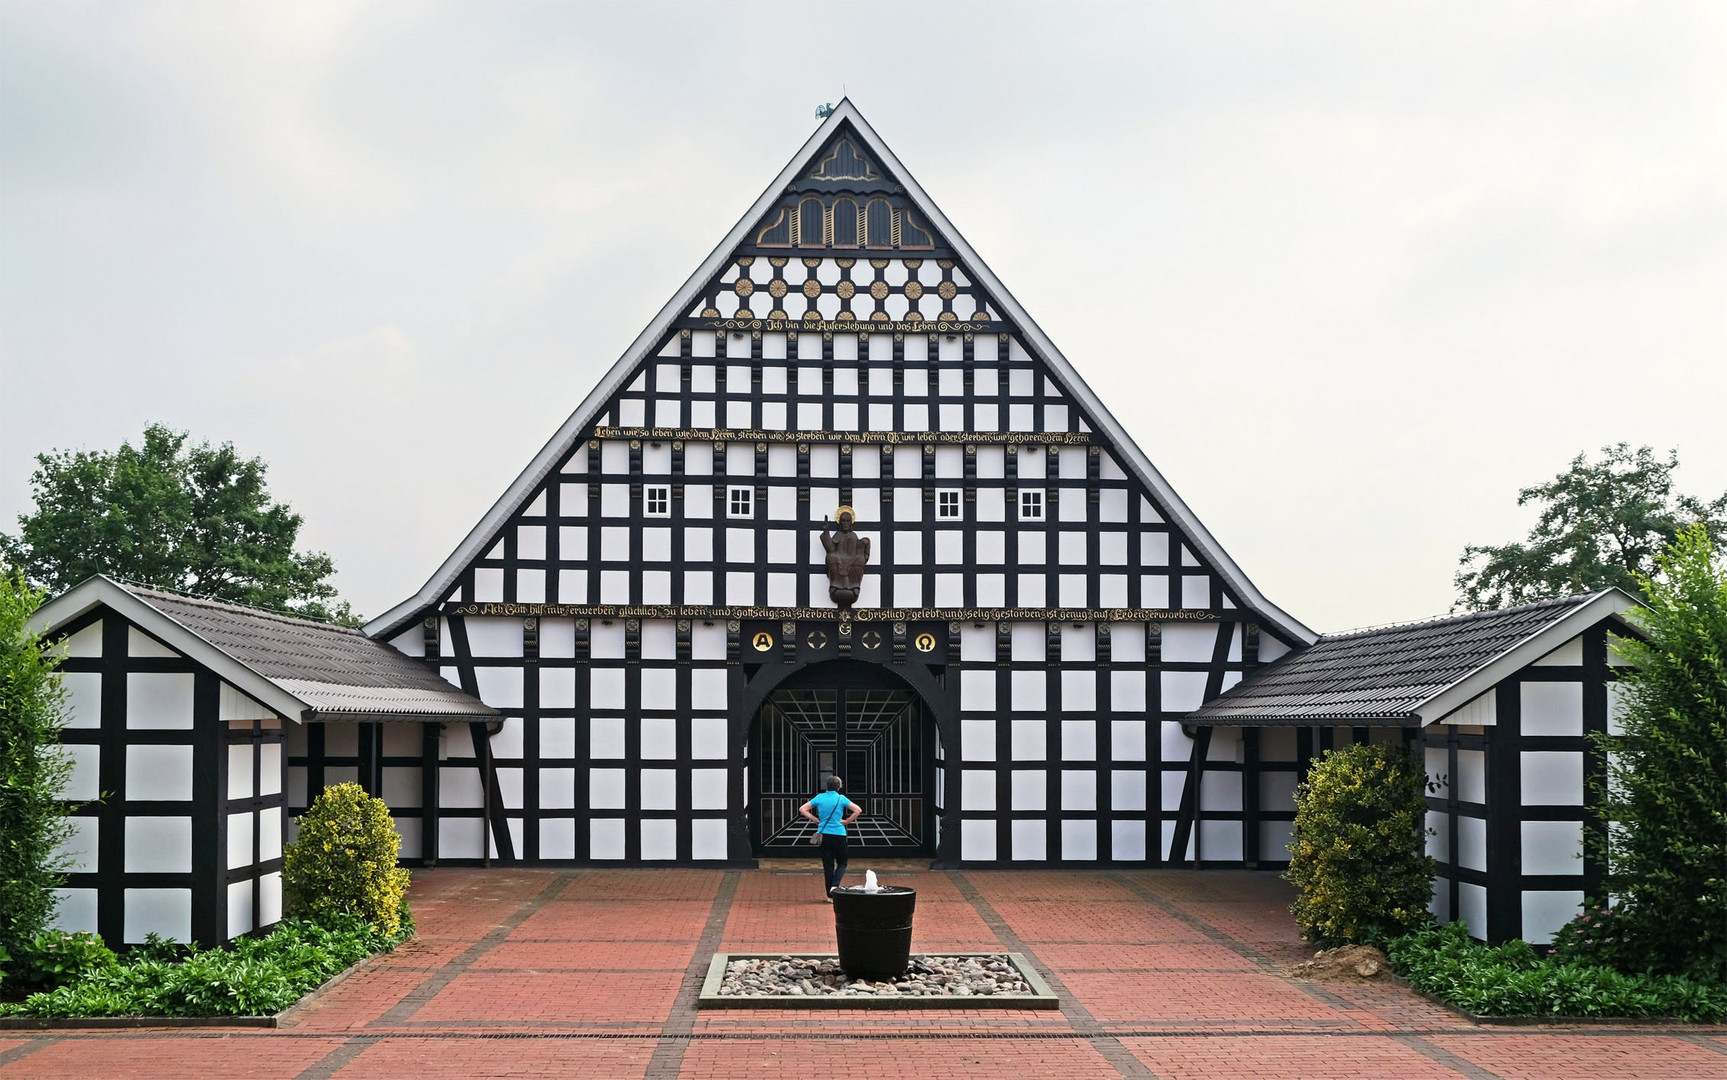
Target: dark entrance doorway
x,y
857,721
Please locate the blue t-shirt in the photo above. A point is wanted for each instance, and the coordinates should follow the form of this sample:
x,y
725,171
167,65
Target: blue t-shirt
x,y
829,808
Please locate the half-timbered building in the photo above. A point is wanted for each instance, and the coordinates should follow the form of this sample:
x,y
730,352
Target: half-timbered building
x,y
1049,661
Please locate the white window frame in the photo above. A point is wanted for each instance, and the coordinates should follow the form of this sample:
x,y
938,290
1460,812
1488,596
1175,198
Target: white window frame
x,y
741,493
661,493
949,504
1031,504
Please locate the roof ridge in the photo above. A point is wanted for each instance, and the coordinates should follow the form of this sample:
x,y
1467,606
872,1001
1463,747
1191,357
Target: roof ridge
x,y
233,605
1572,600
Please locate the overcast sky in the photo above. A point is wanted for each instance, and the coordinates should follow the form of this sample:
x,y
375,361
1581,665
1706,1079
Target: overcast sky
x,y
1350,273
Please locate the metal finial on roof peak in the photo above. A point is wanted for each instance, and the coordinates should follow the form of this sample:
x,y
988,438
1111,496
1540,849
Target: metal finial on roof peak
x,y
824,110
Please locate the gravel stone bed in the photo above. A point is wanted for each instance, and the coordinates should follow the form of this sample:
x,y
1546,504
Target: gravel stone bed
x,y
927,976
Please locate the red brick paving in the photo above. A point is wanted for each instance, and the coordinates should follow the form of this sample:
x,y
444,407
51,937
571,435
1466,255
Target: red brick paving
x,y
589,973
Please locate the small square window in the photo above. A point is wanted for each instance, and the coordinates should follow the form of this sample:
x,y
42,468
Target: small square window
x,y
947,505
741,502
657,500
1031,505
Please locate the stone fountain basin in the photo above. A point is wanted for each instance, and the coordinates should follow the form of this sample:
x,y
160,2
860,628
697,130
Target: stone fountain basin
x,y
1039,997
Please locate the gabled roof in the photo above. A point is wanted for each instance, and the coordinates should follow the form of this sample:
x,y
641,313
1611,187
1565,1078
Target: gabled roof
x,y
1415,673
304,670
844,118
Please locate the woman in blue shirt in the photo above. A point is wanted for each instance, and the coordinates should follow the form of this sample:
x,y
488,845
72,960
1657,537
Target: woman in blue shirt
x,y
825,810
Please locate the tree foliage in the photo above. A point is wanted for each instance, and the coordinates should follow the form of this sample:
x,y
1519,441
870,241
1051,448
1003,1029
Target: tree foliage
x,y
33,771
1359,856
1602,524
1666,791
192,518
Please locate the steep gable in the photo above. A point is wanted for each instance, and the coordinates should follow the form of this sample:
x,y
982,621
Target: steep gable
x,y
846,342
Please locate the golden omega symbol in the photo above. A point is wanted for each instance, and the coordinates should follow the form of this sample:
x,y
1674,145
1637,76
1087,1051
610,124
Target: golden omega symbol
x,y
925,642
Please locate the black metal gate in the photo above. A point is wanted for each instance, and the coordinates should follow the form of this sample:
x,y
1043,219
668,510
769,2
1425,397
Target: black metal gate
x,y
879,739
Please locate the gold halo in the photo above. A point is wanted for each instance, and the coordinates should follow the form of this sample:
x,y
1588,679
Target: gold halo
x,y
845,510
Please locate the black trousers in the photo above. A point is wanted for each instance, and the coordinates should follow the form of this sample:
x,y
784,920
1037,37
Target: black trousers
x,y
833,858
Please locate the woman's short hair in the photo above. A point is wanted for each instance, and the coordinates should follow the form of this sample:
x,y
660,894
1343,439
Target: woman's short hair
x,y
835,783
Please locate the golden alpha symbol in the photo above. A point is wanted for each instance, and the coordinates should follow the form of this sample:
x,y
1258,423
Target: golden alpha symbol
x,y
763,641
925,643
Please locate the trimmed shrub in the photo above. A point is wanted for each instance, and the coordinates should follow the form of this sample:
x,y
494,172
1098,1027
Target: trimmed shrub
x,y
1358,857
1666,795
344,860
53,958
250,977
1510,980
33,771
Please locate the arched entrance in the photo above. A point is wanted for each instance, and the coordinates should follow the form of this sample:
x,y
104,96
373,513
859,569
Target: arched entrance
x,y
861,722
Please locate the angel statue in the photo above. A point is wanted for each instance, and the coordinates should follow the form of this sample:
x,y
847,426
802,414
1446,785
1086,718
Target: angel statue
x,y
848,554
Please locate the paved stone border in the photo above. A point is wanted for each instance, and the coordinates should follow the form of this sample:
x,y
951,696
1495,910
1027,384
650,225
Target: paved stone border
x,y
1041,997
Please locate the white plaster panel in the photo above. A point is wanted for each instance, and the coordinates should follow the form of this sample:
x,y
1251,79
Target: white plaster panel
x,y
1127,740
1079,840
461,838
659,789
1078,789
1127,841
1029,740
606,738
1545,911
1274,840
1471,778
1079,690
459,787
86,642
1220,791
606,789
270,769
1127,790
164,912
1030,841
659,738
557,838
75,911
1029,789
159,772
708,689
80,847
708,789
1175,744
510,790
1438,836
1189,642
269,833
1277,790
1220,840
557,792
1472,843
977,691
1569,654
1552,847
85,779
158,700
239,771
159,845
499,687
1552,778
659,838
977,789
557,688
401,788
977,840
83,698
1552,708
1183,691
606,688
240,836
409,839
1078,739
1030,690
139,643
977,740
488,584
708,838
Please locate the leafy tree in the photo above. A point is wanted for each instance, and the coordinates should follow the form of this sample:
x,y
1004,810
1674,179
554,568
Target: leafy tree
x,y
191,518
33,771
1359,860
1666,791
1602,524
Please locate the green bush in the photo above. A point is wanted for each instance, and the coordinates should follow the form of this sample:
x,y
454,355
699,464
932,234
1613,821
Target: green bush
x,y
33,771
53,958
344,860
1510,980
1666,795
1358,857
253,977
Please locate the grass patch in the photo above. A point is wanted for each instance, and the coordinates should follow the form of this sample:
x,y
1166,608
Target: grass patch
x,y
248,977
1511,980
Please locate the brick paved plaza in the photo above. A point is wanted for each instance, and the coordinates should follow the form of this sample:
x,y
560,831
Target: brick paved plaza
x,y
595,972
